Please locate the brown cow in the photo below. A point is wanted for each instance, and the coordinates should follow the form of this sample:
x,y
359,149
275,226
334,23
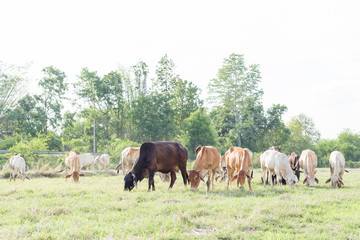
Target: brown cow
x,y
308,162
238,160
294,164
207,164
163,157
73,161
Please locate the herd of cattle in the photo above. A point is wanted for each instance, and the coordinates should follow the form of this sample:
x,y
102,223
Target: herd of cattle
x,y
169,158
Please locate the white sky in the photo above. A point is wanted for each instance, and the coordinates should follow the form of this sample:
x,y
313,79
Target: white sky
x,y
308,51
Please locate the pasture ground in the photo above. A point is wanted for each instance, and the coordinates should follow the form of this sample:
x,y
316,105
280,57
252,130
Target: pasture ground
x,y
98,208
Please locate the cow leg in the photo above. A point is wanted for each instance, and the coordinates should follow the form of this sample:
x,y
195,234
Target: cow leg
x,y
230,172
151,180
212,179
173,178
271,178
183,174
249,182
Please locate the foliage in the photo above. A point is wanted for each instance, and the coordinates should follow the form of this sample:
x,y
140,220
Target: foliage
x,y
50,101
9,141
303,134
78,146
29,148
197,129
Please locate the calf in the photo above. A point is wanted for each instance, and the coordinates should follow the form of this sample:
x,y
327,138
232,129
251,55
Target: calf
x,y
73,161
18,167
207,164
308,162
337,164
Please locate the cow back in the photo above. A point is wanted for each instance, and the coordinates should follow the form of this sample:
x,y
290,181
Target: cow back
x,y
208,157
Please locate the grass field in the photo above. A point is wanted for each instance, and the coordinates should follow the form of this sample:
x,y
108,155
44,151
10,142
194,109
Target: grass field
x,y
98,208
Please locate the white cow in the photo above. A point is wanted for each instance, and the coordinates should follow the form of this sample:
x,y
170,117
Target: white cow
x,y
337,165
86,160
103,161
277,162
18,165
127,159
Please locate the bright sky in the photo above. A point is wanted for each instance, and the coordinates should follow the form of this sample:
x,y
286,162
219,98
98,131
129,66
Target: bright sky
x,y
308,51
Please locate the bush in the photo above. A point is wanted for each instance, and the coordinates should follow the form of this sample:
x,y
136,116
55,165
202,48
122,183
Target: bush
x,y
30,148
77,145
8,142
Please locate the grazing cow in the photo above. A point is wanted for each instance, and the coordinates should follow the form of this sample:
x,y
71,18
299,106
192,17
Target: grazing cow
x,y
165,157
73,160
308,162
238,160
103,161
207,164
222,172
87,160
18,165
294,164
337,164
277,163
127,159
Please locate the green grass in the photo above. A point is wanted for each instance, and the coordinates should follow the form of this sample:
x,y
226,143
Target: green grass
x,y
98,208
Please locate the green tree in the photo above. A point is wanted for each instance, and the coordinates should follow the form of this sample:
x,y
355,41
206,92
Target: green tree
x,y
12,81
141,71
197,129
236,88
53,89
152,118
165,75
276,132
349,145
303,134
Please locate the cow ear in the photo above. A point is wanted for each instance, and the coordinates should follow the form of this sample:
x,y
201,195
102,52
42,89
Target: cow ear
x,y
249,177
341,181
346,171
327,181
81,174
67,176
304,180
201,178
234,177
316,180
300,171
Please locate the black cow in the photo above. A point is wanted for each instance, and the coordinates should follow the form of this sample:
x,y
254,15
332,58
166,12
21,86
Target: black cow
x,y
164,157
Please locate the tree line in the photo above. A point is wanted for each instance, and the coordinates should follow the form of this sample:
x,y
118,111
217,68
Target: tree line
x,y
128,108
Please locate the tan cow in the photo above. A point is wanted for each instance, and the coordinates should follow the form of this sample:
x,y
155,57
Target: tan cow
x,y
238,160
73,160
127,159
207,164
337,165
308,162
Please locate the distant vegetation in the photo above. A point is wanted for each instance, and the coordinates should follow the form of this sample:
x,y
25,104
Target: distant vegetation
x,y
129,108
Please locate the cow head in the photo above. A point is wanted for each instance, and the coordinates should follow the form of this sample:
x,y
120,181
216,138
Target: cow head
x,y
75,176
241,176
195,177
336,181
130,181
291,181
310,179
